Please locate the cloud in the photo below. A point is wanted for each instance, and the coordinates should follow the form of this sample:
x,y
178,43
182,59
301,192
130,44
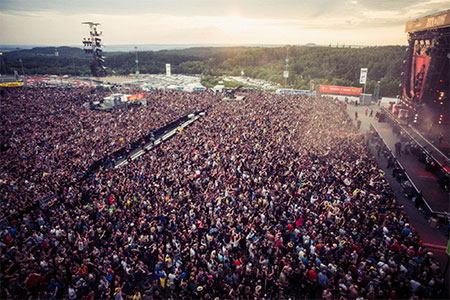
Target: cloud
x,y
247,8
405,8
199,21
257,9
381,5
168,29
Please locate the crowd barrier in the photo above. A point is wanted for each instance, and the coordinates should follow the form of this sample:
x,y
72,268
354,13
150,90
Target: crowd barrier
x,y
398,128
135,149
153,139
124,154
443,217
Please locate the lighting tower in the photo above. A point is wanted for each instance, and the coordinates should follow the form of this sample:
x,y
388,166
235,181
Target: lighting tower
x,y
93,44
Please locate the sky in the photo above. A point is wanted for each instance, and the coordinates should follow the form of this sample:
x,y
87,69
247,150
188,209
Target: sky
x,y
242,22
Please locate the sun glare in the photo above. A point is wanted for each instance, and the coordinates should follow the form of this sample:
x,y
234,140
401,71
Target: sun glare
x,y
232,24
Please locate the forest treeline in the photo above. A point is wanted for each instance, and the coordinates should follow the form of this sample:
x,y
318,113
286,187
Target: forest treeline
x,y
322,65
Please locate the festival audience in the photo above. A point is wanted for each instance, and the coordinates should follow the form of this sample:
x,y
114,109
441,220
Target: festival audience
x,y
263,198
49,138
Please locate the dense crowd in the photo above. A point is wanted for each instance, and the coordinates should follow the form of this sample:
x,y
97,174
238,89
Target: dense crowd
x,y
263,198
50,137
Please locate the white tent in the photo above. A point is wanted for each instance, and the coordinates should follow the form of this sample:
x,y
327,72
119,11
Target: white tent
x,y
218,88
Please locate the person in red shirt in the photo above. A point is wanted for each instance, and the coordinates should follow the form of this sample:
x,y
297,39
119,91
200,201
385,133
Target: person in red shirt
x,y
290,227
32,282
312,275
83,271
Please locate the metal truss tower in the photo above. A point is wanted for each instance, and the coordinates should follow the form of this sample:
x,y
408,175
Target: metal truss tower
x,y
93,44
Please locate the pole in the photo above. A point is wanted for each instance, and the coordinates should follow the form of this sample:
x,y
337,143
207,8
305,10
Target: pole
x,y
3,63
364,93
21,64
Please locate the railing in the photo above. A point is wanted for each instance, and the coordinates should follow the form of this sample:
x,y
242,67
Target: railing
x,y
155,138
443,216
443,157
120,157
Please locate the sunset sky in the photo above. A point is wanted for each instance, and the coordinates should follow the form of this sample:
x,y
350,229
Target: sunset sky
x,y
350,22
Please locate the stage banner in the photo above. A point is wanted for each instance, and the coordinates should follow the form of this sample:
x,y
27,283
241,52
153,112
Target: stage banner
x,y
346,90
437,20
363,76
419,73
11,84
35,80
135,97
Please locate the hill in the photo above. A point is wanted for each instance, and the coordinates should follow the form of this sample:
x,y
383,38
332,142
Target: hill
x,y
325,65
46,51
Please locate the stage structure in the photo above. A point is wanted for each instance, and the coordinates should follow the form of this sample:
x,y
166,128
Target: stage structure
x,y
93,45
425,87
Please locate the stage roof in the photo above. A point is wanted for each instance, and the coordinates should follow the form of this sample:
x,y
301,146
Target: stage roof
x,y
437,20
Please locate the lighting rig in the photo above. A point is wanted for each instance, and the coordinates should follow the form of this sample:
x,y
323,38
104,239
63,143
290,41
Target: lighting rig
x,y
93,45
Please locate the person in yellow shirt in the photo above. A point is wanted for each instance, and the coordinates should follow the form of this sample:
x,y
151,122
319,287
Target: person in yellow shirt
x,y
162,279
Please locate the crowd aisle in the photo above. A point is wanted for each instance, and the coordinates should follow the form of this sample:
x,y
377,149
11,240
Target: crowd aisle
x,y
269,197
